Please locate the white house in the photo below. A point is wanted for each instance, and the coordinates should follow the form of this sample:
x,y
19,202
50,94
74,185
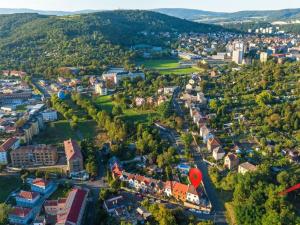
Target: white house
x,y
218,153
139,101
100,88
192,195
246,167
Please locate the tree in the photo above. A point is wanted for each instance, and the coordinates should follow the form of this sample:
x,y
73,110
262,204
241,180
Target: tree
x,y
263,98
187,139
4,211
213,104
117,110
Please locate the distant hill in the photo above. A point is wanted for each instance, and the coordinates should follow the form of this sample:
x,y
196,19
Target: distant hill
x,y
189,14
41,12
35,42
221,17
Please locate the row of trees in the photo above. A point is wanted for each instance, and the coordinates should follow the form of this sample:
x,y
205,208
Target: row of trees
x,y
115,127
90,156
64,109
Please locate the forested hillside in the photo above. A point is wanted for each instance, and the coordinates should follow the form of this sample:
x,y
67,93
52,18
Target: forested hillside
x,y
34,42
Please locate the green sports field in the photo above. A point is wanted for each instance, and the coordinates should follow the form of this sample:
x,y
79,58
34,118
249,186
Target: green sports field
x,y
167,66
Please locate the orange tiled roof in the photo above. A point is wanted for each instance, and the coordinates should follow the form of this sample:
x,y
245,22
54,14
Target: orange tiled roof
x,y
72,149
179,190
40,182
28,195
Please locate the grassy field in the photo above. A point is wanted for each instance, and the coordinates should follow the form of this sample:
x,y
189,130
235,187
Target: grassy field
x,y
180,71
57,132
159,64
7,185
105,103
131,115
167,66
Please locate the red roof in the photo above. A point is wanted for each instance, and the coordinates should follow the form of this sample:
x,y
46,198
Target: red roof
x,y
8,144
214,141
76,205
117,171
192,190
40,182
20,212
179,190
72,149
28,195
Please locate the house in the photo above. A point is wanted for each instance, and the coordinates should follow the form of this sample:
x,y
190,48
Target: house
x,y
213,143
293,156
246,167
143,212
100,88
204,131
10,144
182,192
113,204
192,195
42,186
161,99
150,100
177,190
189,87
27,199
52,207
139,101
201,98
20,215
73,155
218,153
231,161
170,90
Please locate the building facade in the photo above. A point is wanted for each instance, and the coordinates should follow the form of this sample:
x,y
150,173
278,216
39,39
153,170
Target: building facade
x,y
73,155
34,155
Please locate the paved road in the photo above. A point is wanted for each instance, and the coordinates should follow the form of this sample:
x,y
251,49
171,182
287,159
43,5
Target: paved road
x,y
212,193
218,213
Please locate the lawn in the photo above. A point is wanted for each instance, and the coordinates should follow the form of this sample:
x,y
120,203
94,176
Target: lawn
x,y
130,115
138,115
159,64
179,71
57,132
8,184
167,66
105,103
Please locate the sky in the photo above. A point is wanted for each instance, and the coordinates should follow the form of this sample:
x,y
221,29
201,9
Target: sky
x,y
211,5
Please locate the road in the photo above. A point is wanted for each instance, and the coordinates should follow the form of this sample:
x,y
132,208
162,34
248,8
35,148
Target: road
x,y
218,207
218,212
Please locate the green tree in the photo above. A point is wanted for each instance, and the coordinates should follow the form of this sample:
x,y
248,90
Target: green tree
x,y
4,211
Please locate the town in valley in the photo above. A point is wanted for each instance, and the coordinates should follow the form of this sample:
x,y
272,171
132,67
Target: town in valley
x,y
104,114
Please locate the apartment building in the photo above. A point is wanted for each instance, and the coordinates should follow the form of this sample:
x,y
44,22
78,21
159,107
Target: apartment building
x,y
34,155
73,155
